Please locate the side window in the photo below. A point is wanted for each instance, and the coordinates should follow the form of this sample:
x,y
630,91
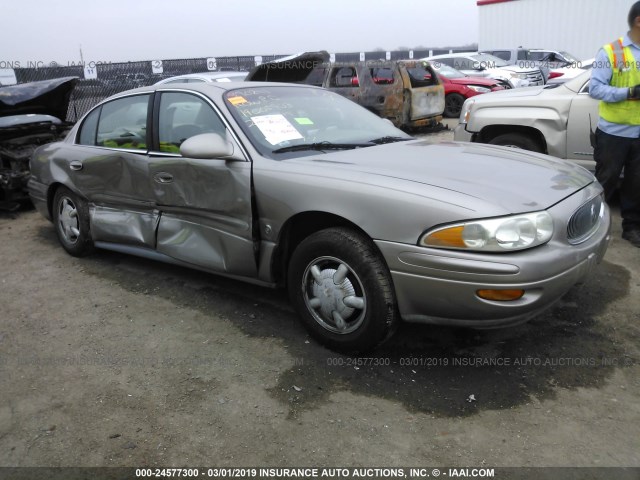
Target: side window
x,y
88,130
123,123
446,61
182,116
463,64
537,56
344,77
503,54
382,76
422,76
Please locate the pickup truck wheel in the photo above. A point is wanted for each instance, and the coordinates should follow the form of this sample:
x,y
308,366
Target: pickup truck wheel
x,y
71,220
453,105
517,140
342,290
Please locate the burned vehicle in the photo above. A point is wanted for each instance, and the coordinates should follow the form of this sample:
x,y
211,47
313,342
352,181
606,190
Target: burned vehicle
x,y
31,114
408,93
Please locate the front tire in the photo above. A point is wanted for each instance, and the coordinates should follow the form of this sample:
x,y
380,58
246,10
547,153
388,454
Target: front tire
x,y
517,140
71,220
453,105
342,290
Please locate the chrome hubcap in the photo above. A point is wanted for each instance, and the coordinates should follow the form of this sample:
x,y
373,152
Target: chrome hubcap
x,y
334,295
68,220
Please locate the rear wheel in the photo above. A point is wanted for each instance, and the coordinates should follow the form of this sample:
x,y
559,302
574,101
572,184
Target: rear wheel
x,y
342,290
453,105
71,220
517,140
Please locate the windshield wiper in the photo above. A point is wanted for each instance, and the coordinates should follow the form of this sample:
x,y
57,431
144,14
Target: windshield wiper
x,y
321,146
389,139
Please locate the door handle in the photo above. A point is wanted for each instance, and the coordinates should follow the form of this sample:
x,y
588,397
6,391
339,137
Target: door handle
x,y
75,165
163,177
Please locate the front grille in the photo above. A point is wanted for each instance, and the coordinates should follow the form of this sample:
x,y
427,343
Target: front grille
x,y
584,222
535,77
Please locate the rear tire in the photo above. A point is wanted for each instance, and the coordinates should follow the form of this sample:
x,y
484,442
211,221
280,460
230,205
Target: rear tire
x,y
517,140
342,290
71,220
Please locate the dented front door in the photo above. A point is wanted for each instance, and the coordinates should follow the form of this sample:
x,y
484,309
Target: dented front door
x,y
205,205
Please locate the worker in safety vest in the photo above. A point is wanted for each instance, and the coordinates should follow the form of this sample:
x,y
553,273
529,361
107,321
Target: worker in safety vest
x,y
615,81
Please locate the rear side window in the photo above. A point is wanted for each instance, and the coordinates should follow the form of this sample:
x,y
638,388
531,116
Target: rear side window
x,y
382,76
123,123
89,128
344,77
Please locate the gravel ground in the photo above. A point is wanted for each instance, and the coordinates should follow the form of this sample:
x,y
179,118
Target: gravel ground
x,y
113,360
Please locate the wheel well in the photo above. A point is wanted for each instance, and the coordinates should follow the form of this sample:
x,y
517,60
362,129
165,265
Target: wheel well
x,y
295,230
53,188
489,133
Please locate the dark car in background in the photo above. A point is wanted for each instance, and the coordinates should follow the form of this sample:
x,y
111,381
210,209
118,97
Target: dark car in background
x,y
458,87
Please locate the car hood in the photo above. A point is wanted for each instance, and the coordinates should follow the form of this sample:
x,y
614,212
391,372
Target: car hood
x,y
47,97
295,68
475,176
522,92
512,68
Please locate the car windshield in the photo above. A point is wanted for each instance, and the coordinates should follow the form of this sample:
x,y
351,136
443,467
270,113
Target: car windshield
x,y
489,61
286,121
447,71
569,57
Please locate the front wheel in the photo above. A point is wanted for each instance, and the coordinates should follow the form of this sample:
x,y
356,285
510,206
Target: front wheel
x,y
71,219
453,105
342,290
517,140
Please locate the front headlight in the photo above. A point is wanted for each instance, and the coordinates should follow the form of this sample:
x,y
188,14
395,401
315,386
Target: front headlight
x,y
515,232
465,113
478,89
521,76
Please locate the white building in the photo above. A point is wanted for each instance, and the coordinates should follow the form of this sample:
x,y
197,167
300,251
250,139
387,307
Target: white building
x,y
579,27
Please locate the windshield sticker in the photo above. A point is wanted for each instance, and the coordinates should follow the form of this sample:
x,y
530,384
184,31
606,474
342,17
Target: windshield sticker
x,y
304,121
237,100
276,128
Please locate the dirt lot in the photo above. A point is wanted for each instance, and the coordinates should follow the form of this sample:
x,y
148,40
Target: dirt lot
x,y
113,360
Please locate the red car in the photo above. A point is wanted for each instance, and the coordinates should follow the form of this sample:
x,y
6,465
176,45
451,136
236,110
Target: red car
x,y
458,87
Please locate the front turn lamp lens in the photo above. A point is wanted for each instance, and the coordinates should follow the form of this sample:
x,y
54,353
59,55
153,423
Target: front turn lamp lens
x,y
500,295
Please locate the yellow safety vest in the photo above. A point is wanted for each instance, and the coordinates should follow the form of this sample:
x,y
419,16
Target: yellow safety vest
x,y
626,74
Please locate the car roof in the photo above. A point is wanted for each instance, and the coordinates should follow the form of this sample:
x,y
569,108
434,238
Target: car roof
x,y
206,75
213,90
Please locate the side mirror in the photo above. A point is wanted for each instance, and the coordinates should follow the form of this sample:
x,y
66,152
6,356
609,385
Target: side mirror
x,y
206,146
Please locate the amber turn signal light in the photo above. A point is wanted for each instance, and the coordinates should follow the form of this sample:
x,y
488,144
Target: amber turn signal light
x,y
500,295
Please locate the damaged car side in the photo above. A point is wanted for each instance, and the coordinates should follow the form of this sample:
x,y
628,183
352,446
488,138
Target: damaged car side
x,y
31,114
408,93
296,186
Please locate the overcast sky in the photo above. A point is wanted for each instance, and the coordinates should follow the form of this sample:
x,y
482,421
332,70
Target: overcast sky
x,y
119,30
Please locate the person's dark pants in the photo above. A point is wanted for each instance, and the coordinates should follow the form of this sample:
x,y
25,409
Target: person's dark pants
x,y
612,154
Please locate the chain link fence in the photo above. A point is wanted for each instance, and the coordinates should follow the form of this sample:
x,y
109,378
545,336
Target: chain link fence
x,y
101,80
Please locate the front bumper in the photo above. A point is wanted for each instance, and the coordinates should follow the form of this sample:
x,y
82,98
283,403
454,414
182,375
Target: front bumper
x,y
439,286
460,134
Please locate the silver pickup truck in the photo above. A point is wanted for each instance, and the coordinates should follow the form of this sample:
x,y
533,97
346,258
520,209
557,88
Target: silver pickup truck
x,y
554,119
